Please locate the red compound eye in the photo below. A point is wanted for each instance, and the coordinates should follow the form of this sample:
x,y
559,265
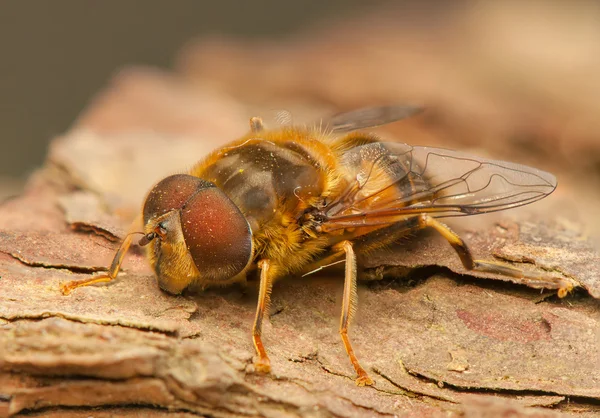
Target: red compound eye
x,y
172,193
215,231
217,234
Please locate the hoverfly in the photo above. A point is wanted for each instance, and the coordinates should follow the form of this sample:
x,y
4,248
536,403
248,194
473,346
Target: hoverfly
x,y
291,200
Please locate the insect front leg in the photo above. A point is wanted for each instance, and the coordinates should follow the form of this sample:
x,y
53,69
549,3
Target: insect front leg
x,y
262,364
349,301
113,270
533,278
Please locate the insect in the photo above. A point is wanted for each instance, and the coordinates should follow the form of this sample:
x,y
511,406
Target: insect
x,y
291,200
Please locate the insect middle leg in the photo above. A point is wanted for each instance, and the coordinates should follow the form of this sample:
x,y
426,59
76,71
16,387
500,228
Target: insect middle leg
x,y
349,301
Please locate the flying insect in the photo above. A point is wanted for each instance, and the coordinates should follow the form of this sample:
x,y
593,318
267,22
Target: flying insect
x,y
290,200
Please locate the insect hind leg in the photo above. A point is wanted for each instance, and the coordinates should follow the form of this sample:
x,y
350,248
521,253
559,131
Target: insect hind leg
x,y
534,279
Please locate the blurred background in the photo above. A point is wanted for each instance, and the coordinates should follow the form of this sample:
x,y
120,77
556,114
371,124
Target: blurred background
x,y
56,56
514,80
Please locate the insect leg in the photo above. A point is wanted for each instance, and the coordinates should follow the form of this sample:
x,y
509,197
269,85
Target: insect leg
x,y
262,364
113,270
535,279
349,301
365,243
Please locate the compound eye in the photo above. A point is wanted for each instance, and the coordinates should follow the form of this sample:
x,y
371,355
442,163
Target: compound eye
x,y
217,234
171,193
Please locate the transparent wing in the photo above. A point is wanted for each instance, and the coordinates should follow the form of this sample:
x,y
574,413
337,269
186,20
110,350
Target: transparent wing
x,y
387,181
369,117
